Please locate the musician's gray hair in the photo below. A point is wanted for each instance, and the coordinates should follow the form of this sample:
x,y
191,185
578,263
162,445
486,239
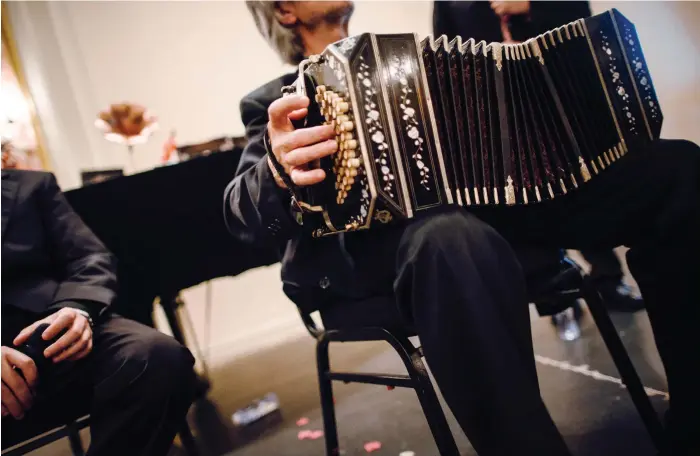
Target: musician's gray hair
x,y
285,41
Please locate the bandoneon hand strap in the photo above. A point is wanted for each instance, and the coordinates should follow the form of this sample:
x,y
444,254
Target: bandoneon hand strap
x,y
279,171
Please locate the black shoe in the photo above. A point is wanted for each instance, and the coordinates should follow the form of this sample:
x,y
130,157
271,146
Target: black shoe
x,y
620,297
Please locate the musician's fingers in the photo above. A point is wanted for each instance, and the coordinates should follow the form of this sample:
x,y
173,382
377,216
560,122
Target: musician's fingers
x,y
80,345
298,114
14,387
23,336
281,108
303,137
83,353
64,319
11,403
303,177
24,364
70,337
304,155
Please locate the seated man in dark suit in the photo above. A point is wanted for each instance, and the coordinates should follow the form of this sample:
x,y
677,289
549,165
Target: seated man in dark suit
x,y
136,383
453,275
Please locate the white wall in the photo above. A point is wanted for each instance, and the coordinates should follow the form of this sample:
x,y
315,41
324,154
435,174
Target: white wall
x,y
191,62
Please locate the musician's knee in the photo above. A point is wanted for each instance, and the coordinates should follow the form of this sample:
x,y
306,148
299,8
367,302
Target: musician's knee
x,y
169,364
676,155
150,365
455,234
679,150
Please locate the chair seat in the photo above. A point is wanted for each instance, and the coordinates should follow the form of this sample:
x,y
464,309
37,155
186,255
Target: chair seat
x,y
379,311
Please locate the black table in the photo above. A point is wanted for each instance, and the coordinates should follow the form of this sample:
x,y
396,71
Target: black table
x,y
166,228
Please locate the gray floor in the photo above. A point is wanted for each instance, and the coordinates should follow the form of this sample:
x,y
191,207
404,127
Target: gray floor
x,y
593,412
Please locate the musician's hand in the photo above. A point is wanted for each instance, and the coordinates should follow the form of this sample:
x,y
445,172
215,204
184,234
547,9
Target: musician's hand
x,y
17,395
510,8
76,342
294,148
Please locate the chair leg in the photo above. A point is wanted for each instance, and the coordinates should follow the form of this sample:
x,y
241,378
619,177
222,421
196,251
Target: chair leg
x,y
429,401
623,363
188,441
327,405
76,443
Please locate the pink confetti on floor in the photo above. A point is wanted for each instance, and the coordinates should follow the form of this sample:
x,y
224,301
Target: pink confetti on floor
x,y
315,435
303,421
372,446
309,435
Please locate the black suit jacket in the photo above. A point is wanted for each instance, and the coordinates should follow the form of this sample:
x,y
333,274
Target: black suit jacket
x,y
476,19
257,211
50,259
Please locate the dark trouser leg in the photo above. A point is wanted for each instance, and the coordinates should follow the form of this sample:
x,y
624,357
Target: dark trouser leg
x,y
537,262
137,386
650,201
462,287
143,389
605,265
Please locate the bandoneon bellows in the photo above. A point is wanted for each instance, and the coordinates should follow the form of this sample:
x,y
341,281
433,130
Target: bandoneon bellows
x,y
423,124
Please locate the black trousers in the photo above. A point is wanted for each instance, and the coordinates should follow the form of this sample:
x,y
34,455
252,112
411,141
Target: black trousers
x,y
457,280
137,385
605,265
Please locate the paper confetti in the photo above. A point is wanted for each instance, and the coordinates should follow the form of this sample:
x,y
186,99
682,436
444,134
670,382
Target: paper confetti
x,y
303,421
309,435
372,446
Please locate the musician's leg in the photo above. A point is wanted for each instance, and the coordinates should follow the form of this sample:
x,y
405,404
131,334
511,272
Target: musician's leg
x,y
462,287
144,385
649,201
665,261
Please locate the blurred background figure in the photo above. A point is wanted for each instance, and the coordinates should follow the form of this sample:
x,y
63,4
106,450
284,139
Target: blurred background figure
x,y
523,19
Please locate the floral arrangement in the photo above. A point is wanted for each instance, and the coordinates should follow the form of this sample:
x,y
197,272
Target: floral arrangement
x,y
126,123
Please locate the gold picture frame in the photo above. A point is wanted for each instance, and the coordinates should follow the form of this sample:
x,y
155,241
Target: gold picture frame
x,y
11,56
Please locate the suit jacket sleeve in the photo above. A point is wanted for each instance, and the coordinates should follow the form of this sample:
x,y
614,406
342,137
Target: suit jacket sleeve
x,y
86,269
256,210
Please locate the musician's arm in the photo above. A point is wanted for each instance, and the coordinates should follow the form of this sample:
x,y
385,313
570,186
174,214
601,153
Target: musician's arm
x,y
85,268
256,209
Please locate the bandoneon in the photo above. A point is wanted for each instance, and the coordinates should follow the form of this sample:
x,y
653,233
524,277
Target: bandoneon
x,y
424,124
